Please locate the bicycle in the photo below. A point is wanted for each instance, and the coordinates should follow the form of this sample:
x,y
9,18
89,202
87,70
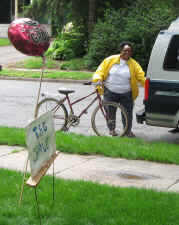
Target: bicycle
x,y
100,118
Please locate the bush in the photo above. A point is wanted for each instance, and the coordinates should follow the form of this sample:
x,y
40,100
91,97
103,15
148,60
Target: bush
x,y
73,64
67,46
139,24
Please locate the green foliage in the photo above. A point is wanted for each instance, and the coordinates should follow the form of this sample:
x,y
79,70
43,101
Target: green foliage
x,y
36,11
105,38
79,11
139,23
54,11
67,45
73,64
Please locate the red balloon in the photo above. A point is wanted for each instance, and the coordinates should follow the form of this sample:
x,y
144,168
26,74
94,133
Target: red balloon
x,y
28,36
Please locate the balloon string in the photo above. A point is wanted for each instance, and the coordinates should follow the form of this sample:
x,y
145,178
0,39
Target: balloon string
x,y
41,76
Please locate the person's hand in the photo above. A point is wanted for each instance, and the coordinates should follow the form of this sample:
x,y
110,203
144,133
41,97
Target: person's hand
x,y
99,82
100,87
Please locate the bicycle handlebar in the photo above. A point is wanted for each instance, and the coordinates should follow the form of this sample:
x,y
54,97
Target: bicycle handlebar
x,y
94,83
87,83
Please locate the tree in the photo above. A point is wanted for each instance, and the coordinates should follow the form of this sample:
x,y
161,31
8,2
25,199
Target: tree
x,y
91,20
140,23
80,12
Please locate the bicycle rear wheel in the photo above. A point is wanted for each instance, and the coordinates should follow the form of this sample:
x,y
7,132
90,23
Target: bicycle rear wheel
x,y
102,121
60,113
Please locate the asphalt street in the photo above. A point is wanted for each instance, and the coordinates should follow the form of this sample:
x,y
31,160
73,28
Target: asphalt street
x,y
18,100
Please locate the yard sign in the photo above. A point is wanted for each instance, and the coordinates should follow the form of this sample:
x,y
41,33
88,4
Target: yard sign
x,y
40,139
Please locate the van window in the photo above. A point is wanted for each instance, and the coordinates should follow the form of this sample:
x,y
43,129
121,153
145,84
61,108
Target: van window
x,y
171,61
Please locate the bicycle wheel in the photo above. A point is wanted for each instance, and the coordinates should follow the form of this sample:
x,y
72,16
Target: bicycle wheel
x,y
60,113
102,121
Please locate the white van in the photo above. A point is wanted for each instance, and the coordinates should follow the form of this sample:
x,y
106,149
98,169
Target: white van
x,y
162,84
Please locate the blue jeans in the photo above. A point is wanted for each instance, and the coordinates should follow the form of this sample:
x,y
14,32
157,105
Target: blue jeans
x,y
125,100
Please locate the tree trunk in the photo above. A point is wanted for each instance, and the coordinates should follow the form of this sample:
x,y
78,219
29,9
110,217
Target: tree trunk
x,y
16,9
91,18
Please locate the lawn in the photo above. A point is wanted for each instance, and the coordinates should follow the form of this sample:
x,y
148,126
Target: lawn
x,y
4,42
76,64
32,68
84,203
108,146
37,63
77,75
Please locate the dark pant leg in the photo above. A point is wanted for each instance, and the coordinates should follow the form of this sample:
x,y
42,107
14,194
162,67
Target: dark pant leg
x,y
127,102
110,111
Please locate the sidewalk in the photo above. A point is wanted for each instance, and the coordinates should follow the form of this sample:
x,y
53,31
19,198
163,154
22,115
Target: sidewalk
x,y
104,170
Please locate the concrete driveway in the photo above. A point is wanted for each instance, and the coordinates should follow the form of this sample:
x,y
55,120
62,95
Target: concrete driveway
x,y
8,55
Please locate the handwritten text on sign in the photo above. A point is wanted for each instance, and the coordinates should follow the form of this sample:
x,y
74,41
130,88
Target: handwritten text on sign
x,y
40,141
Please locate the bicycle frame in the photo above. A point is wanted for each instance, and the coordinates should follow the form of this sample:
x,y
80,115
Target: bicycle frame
x,y
84,111
64,117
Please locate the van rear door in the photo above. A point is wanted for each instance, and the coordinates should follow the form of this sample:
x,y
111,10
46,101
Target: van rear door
x,y
162,88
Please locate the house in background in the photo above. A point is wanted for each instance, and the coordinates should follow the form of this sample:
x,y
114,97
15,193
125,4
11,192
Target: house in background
x,y
10,10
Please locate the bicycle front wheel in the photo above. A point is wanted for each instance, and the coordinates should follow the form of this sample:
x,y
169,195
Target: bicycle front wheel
x,y
109,116
60,113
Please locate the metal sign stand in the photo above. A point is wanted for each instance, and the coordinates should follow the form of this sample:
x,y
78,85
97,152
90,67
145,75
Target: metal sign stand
x,y
34,181
38,210
36,198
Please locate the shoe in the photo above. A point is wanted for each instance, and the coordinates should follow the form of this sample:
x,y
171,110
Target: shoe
x,y
130,134
113,133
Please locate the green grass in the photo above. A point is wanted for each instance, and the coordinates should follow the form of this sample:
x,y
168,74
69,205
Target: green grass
x,y
48,74
4,42
76,64
84,203
37,63
108,146
73,64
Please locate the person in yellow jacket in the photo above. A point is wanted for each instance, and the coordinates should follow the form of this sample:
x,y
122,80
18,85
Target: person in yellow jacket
x,y
120,75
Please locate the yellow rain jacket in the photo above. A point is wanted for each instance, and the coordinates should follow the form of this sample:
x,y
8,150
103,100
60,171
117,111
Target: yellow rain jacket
x,y
136,72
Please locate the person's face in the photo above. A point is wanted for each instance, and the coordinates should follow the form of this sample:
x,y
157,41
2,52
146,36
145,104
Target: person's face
x,y
126,52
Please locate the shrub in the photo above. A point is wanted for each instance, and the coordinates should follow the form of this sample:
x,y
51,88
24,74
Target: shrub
x,y
67,45
139,24
73,64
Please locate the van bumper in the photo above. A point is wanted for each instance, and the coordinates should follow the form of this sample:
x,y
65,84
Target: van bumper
x,y
140,116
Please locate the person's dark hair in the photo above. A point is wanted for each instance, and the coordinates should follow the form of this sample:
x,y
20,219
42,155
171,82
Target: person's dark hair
x,y
121,46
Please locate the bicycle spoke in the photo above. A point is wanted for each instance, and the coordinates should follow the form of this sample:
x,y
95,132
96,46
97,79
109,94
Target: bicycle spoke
x,y
59,112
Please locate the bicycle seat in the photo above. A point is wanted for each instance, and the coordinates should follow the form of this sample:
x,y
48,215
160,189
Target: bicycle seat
x,y
65,92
